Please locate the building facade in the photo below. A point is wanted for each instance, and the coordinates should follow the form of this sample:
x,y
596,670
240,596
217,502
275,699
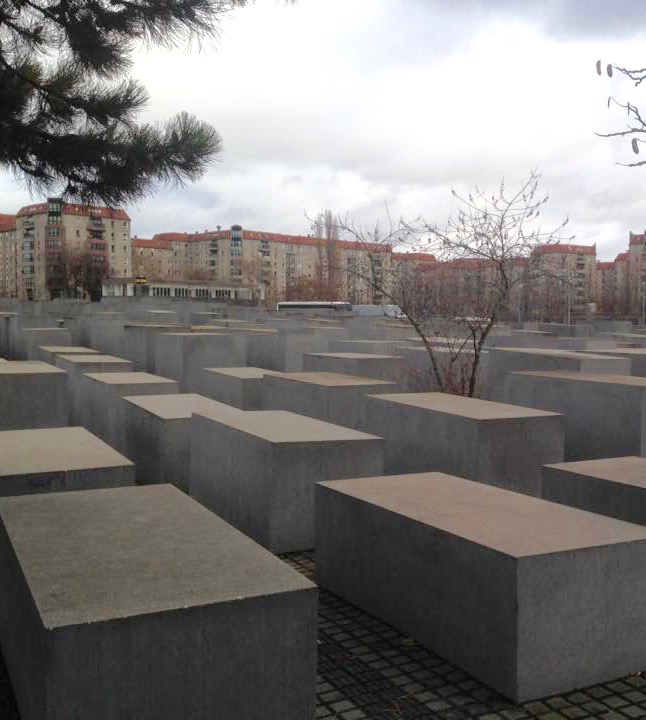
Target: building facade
x,y
273,265
8,257
57,240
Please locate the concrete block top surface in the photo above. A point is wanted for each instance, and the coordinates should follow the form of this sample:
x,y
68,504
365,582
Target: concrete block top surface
x,y
357,356
282,427
608,378
81,358
622,351
180,406
155,326
550,352
466,407
511,523
128,378
244,373
61,449
630,470
195,335
99,555
28,367
43,329
68,350
332,379
221,330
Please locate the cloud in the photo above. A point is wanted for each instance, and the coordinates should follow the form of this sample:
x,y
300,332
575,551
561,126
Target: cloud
x,y
348,105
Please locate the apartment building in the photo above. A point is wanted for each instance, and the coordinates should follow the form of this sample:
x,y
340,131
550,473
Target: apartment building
x,y
49,235
8,256
566,282
272,265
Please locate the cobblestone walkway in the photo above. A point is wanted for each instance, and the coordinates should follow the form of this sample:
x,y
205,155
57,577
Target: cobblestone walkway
x,y
369,670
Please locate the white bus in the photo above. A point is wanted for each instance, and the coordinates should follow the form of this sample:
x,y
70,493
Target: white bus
x,y
313,305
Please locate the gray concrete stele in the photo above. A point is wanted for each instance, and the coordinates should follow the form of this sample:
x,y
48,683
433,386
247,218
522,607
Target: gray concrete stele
x,y
139,603
530,597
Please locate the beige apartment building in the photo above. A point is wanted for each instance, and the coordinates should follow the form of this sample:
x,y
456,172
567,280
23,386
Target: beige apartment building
x,y
271,264
52,235
8,257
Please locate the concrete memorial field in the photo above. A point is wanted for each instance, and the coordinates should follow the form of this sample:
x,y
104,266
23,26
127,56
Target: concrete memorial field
x,y
140,603
161,452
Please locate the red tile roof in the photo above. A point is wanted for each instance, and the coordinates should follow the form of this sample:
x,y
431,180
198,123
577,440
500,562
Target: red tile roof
x,y
557,248
637,239
7,222
605,266
415,257
622,256
76,209
153,243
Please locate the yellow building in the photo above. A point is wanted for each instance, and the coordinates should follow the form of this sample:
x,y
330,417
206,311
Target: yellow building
x,y
54,234
8,256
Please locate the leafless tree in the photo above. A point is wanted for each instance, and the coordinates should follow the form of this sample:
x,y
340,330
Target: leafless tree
x,y
636,125
486,261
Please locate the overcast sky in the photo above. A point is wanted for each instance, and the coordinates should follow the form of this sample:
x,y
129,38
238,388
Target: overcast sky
x,y
349,104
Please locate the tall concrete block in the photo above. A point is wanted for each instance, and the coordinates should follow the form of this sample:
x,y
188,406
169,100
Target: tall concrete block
x,y
139,342
327,396
156,429
102,406
183,356
381,367
505,360
161,611
530,597
240,387
58,459
284,350
32,338
49,353
637,357
257,470
32,395
104,331
604,414
611,486
75,366
490,442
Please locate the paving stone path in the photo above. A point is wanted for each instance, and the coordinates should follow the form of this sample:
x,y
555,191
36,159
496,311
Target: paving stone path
x,y
369,670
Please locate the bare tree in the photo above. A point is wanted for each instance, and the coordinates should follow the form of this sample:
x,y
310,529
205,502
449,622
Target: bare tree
x,y
636,125
326,233
486,262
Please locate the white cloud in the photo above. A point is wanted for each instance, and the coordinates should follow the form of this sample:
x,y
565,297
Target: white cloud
x,y
348,105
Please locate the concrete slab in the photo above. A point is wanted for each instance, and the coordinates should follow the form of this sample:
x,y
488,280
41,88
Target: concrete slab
x,y
156,431
102,407
381,367
604,414
332,397
139,603
58,459
505,360
75,366
32,395
490,442
612,486
240,387
257,470
139,342
31,338
637,357
183,356
531,597
49,353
